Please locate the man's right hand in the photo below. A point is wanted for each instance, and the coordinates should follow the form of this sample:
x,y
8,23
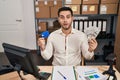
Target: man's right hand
x,y
41,43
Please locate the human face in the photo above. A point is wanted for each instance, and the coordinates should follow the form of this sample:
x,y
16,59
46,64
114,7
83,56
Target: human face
x,y
65,19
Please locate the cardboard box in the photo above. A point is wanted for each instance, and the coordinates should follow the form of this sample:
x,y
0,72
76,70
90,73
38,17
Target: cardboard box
x,y
45,3
90,9
47,9
42,26
43,8
117,38
58,3
42,12
119,10
90,2
118,60
117,44
72,2
118,28
109,1
49,3
75,8
54,9
108,8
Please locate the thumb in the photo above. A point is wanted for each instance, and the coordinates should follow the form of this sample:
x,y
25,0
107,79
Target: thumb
x,y
22,74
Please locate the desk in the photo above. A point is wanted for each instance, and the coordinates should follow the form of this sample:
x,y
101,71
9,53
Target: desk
x,y
10,76
100,68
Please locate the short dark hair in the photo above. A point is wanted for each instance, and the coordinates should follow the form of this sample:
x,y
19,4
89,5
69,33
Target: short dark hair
x,y
65,9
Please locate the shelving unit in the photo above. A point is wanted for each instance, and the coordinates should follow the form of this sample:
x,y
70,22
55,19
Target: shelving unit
x,y
103,38
110,27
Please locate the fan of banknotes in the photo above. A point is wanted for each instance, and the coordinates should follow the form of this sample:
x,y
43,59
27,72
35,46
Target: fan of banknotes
x,y
92,32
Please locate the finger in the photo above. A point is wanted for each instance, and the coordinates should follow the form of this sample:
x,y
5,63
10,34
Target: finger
x,y
93,47
94,40
41,38
22,74
93,43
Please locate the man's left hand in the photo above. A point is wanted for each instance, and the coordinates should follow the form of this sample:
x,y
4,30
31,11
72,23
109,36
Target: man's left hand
x,y
92,44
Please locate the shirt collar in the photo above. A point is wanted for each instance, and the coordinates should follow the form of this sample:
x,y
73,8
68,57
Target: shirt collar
x,y
60,31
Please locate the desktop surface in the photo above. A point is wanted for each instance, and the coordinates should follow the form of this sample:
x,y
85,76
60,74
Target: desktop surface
x,y
49,69
100,68
10,76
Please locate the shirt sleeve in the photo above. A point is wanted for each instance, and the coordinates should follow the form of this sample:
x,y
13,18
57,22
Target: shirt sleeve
x,y
48,52
84,47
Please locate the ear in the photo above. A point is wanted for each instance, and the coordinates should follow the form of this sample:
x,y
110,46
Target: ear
x,y
58,19
72,18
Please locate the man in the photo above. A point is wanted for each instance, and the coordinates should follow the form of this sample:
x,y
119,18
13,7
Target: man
x,y
67,44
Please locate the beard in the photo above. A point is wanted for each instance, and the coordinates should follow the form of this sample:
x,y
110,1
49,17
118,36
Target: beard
x,y
66,28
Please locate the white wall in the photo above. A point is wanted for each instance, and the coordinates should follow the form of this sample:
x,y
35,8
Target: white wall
x,y
25,33
29,23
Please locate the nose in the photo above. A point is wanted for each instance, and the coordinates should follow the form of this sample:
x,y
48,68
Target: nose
x,y
65,19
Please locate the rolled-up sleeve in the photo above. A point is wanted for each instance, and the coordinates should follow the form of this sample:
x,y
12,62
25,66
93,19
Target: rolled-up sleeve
x,y
84,45
48,52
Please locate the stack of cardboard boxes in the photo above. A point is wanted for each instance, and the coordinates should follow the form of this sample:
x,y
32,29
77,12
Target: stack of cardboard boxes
x,y
47,8
90,6
119,10
74,5
42,9
109,6
42,26
54,9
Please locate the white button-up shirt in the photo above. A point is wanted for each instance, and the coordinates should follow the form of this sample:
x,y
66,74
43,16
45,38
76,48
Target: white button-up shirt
x,y
66,50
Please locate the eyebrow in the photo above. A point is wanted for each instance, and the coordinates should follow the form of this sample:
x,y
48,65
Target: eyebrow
x,y
66,15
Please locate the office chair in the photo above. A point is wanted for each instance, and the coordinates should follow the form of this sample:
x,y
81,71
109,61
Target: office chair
x,y
82,60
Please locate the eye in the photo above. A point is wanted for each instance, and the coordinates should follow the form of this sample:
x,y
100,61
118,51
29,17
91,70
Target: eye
x,y
68,16
62,17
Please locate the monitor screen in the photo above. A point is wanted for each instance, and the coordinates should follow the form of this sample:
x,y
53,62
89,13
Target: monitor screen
x,y
21,57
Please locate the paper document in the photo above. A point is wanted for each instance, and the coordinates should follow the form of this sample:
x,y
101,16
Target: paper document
x,y
86,73
63,73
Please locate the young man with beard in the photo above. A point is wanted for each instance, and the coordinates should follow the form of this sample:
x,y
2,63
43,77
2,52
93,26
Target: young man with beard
x,y
66,44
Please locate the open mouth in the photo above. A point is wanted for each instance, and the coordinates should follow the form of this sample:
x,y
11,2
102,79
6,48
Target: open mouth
x,y
65,24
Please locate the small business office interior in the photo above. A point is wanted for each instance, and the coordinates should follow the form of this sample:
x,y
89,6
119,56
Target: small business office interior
x,y
41,15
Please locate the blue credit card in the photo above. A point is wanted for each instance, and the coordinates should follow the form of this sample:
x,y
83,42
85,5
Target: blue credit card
x,y
45,34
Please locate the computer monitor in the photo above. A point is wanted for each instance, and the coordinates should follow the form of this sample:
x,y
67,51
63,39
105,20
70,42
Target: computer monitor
x,y
21,57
